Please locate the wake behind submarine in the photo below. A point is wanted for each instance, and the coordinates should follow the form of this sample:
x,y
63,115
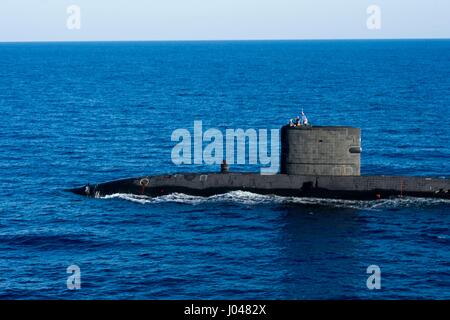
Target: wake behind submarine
x,y
316,161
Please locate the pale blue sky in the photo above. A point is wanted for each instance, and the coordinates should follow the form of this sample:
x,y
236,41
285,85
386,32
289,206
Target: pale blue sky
x,y
45,20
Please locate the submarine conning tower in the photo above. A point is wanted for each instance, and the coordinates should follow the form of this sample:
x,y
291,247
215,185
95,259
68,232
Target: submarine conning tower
x,y
320,150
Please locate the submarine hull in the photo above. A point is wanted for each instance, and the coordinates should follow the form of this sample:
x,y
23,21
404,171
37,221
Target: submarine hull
x,y
334,187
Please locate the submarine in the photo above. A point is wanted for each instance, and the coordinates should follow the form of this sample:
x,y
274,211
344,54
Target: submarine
x,y
315,161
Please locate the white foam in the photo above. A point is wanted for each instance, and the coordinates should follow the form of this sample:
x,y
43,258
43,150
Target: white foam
x,y
249,198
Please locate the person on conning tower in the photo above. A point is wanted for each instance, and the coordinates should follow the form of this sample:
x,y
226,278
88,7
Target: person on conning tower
x,y
304,119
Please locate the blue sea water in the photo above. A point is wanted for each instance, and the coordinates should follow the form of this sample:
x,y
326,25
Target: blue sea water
x,y
72,113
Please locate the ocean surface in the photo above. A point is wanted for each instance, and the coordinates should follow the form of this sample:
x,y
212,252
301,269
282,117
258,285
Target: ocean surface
x,y
72,113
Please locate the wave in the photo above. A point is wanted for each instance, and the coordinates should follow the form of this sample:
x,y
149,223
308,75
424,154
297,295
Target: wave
x,y
50,241
249,198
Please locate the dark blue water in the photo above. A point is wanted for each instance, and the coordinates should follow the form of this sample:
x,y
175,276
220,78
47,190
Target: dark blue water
x,y
74,113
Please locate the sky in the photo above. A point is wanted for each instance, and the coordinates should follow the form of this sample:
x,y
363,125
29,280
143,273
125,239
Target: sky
x,y
108,20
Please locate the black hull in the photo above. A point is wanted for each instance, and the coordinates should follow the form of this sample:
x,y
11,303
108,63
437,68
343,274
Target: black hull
x,y
333,187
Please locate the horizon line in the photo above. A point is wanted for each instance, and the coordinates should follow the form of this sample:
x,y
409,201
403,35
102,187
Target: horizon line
x,y
224,40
